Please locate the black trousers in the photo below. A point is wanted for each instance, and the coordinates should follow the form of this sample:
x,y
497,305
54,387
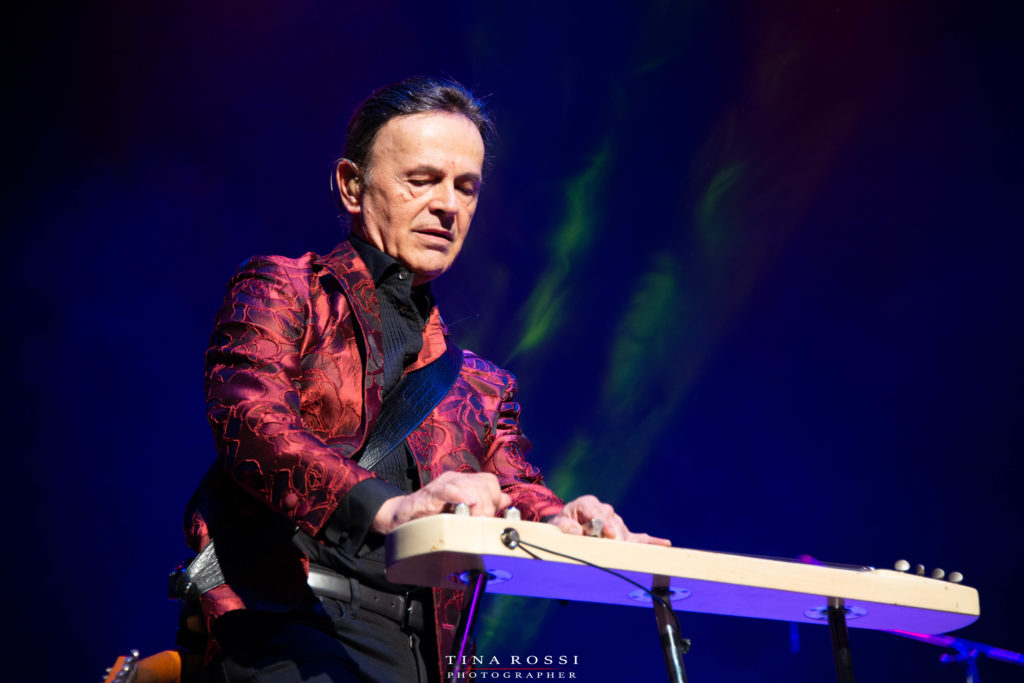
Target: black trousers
x,y
329,643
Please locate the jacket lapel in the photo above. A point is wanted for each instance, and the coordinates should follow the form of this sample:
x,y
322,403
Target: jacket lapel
x,y
347,269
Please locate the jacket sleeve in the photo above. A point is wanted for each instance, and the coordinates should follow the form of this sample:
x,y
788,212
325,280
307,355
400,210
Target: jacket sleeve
x,y
253,369
506,458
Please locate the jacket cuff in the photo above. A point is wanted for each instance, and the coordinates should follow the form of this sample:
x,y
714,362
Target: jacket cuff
x,y
351,520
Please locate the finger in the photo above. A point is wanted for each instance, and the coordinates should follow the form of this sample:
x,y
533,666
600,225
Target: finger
x,y
614,527
567,525
612,524
479,485
480,491
584,510
488,494
454,492
413,506
648,539
491,498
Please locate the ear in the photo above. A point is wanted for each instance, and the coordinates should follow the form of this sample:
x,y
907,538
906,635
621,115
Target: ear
x,y
350,185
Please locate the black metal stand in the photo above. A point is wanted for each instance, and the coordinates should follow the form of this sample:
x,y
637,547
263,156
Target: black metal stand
x,y
464,632
966,651
840,640
673,645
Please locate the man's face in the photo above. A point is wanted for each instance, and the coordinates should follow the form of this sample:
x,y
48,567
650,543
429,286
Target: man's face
x,y
419,194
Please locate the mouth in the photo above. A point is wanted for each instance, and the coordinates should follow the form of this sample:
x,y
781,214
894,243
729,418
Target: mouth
x,y
439,233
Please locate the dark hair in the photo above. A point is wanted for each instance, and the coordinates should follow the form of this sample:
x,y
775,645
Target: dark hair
x,y
415,95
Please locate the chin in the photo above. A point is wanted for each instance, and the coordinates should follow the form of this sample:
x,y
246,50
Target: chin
x,y
430,268
427,274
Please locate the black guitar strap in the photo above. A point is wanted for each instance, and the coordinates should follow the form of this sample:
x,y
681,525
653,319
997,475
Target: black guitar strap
x,y
404,408
409,403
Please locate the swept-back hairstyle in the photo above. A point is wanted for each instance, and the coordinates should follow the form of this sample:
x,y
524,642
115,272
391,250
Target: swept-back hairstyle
x,y
414,95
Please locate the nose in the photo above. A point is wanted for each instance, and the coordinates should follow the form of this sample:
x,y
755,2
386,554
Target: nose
x,y
445,201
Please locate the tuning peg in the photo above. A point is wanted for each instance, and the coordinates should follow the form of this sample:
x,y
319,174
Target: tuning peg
x,y
955,577
919,569
938,573
462,510
512,514
902,565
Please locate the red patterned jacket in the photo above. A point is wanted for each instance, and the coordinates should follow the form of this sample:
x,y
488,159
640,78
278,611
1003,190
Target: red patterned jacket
x,y
293,389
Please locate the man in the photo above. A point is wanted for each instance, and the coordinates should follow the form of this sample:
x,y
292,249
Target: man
x,y
303,353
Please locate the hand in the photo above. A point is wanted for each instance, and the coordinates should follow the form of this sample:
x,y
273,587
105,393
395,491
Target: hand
x,y
584,509
479,490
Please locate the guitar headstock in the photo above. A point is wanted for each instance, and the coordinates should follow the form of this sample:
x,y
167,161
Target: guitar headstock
x,y
125,669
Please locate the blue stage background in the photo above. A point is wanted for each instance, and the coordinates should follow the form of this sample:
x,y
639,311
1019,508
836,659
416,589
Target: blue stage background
x,y
756,264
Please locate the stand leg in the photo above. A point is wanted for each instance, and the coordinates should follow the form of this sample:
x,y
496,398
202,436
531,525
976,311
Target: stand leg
x,y
840,640
464,633
672,644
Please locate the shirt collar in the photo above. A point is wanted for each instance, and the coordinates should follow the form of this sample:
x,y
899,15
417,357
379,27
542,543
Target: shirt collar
x,y
383,266
377,262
